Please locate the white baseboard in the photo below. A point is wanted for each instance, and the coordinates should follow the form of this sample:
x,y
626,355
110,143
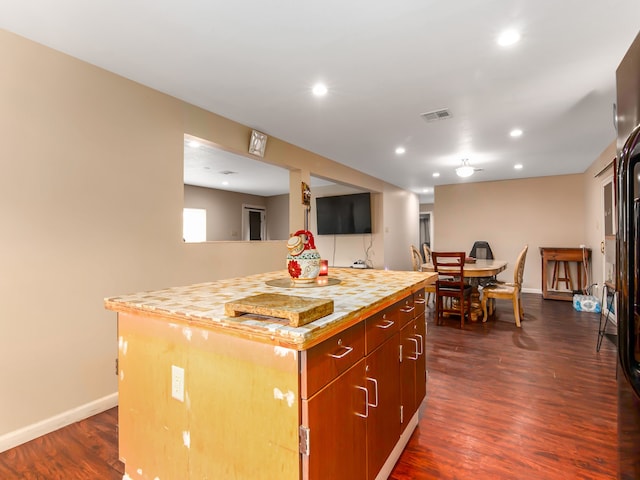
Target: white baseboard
x,y
387,468
532,290
28,433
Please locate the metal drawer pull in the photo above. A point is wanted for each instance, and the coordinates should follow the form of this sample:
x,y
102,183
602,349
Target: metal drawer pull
x,y
421,343
419,300
416,357
375,382
366,402
388,324
408,310
347,351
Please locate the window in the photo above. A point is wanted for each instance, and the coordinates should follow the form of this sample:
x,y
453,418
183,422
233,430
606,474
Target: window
x,y
194,225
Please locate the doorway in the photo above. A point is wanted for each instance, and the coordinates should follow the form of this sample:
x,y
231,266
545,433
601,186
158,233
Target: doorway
x,y
254,222
426,231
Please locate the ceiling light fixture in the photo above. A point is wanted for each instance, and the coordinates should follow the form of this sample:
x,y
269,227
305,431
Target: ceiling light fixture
x,y
436,174
400,150
516,132
319,90
518,166
465,170
508,38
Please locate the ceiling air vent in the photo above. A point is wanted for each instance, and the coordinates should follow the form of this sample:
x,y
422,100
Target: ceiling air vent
x,y
436,115
228,172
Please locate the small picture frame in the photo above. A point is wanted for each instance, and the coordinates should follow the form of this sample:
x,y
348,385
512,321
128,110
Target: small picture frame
x,y
258,143
306,195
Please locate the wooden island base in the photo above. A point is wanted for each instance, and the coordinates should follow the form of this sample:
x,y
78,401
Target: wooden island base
x,y
219,400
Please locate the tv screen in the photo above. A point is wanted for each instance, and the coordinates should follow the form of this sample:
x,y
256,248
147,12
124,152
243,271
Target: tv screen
x,y
344,214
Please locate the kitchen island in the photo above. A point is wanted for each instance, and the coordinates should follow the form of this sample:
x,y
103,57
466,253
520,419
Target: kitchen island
x,y
204,395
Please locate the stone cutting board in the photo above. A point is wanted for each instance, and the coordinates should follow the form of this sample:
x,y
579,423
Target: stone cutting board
x,y
298,310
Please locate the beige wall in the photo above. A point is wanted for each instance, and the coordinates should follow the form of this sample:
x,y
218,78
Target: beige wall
x,y
401,212
224,212
344,250
540,212
278,217
91,200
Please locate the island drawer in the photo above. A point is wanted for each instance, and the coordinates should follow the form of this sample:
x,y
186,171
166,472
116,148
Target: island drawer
x,y
420,302
324,362
381,326
407,310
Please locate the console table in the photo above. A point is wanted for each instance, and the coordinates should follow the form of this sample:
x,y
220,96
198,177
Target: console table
x,y
580,256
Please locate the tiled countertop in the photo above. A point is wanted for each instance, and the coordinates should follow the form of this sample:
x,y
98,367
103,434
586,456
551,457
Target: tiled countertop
x,y
359,294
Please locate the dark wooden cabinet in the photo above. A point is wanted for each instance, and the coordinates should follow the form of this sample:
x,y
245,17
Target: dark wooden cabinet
x,y
360,390
408,358
421,363
383,423
337,428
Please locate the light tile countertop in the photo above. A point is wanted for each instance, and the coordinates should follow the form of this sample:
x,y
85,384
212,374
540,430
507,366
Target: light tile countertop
x,y
359,294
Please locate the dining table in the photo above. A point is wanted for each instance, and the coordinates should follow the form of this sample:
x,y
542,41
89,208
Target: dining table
x,y
475,271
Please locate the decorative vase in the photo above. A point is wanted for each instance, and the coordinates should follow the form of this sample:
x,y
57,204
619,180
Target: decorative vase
x,y
303,260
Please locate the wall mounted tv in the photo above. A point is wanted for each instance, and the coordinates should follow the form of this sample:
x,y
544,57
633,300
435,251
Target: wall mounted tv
x,y
344,214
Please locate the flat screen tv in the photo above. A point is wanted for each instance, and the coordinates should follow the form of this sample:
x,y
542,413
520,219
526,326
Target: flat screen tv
x,y
344,214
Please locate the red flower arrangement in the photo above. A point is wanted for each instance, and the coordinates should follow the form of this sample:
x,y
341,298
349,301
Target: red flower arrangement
x,y
294,269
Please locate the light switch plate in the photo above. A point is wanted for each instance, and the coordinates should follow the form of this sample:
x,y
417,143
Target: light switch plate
x,y
177,383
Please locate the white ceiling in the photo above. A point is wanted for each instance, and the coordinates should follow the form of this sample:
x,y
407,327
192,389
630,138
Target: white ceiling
x,y
385,63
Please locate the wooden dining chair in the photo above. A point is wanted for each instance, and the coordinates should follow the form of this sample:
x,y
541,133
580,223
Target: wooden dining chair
x,y
453,295
427,254
507,291
416,260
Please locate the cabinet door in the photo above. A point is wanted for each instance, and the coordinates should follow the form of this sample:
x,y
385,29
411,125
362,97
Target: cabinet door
x,y
420,333
336,418
408,361
383,383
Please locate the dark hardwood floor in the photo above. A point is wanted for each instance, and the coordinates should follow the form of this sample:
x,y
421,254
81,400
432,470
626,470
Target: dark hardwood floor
x,y
509,403
503,403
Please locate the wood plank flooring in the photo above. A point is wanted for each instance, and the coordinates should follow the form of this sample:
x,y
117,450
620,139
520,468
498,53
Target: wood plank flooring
x,y
509,403
503,403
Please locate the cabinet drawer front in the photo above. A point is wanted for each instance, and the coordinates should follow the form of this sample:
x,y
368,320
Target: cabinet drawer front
x,y
326,361
381,326
420,303
407,310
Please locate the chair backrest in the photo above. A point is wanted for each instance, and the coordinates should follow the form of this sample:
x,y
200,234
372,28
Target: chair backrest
x,y
518,273
481,250
450,268
427,253
416,259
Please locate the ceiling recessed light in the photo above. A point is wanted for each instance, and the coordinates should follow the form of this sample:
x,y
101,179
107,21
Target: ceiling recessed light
x,y
225,183
508,38
194,144
518,166
319,89
436,174
400,150
516,132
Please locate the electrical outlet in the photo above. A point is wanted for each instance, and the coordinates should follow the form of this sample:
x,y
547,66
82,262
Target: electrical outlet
x,y
177,383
